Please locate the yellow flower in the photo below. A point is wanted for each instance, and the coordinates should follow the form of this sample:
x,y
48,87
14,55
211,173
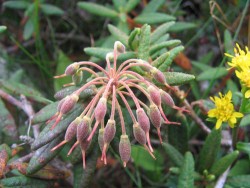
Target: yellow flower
x,y
245,80
241,59
224,110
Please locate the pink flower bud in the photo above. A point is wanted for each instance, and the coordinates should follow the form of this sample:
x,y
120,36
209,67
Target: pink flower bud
x,y
83,129
71,69
101,109
139,134
158,75
143,119
119,47
59,106
69,103
124,149
100,138
72,128
155,116
166,98
109,132
155,95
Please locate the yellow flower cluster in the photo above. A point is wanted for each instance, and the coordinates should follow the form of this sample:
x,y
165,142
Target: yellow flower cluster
x,y
241,62
224,110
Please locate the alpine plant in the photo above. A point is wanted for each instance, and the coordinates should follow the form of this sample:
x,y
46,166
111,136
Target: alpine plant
x,y
115,85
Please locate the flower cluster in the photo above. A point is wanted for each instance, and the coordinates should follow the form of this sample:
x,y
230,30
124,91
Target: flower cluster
x,y
241,62
224,110
114,85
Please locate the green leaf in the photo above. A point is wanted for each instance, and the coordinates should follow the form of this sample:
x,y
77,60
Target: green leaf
x,y
241,181
133,40
118,34
16,4
83,177
222,164
85,94
243,147
161,59
144,43
43,156
131,4
7,125
119,4
186,177
178,78
160,31
47,135
30,10
228,42
28,29
209,150
245,121
98,9
200,65
18,89
153,18
163,38
153,6
166,44
142,158
174,155
102,52
241,167
49,9
23,181
97,52
172,54
182,26
212,73
2,28
45,113
62,62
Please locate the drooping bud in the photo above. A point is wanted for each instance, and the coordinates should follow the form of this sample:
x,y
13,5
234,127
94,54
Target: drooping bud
x,y
109,131
140,137
139,134
101,109
124,149
70,133
100,138
158,75
155,116
71,69
143,119
144,123
154,95
69,103
119,47
166,98
72,128
77,77
83,129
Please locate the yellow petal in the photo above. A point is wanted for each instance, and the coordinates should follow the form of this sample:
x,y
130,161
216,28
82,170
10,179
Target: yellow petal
x,y
238,114
247,94
212,113
232,120
218,124
229,94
